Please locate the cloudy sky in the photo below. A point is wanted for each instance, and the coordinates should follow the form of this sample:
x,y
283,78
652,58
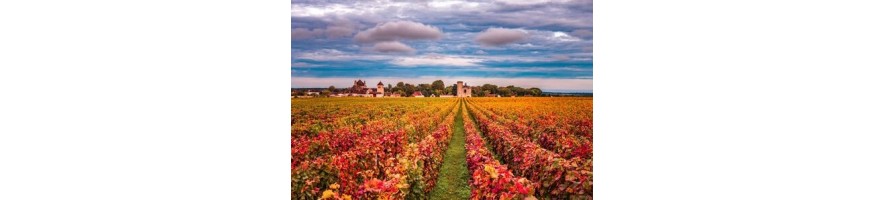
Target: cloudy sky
x,y
527,43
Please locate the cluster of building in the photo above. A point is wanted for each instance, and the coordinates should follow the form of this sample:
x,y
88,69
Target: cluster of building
x,y
359,89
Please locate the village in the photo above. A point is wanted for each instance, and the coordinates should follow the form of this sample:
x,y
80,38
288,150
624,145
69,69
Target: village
x,y
437,88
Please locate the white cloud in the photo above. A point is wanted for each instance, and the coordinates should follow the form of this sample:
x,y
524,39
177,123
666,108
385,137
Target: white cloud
x,y
563,37
398,30
500,36
436,60
392,47
316,11
335,55
530,2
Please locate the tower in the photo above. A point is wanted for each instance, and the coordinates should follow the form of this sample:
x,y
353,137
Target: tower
x,y
380,89
460,88
463,90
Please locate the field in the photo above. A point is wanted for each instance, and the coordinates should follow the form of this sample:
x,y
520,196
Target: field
x,y
442,148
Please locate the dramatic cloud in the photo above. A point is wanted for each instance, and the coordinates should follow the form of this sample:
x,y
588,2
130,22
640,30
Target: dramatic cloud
x,y
519,42
500,36
398,30
436,60
392,47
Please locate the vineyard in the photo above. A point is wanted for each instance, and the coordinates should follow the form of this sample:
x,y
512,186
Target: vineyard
x,y
442,148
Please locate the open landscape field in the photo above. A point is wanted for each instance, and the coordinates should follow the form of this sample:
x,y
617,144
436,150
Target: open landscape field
x,y
442,148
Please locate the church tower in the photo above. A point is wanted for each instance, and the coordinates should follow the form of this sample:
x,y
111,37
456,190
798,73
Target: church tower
x,y
380,89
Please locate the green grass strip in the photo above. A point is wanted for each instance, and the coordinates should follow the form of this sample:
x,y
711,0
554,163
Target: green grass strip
x,y
452,182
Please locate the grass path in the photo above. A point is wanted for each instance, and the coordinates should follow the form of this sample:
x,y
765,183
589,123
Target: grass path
x,y
453,175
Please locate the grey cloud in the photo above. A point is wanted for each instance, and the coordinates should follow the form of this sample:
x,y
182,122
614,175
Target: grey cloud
x,y
583,33
561,57
556,15
392,47
339,31
397,30
332,28
500,36
303,33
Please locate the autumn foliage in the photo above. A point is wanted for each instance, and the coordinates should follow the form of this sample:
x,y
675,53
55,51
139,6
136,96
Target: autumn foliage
x,y
557,175
489,178
389,153
393,148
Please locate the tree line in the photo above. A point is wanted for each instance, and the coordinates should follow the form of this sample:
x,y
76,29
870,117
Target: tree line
x,y
437,88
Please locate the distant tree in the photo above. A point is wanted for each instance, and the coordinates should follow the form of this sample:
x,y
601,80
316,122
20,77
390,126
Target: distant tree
x,y
400,87
535,91
504,92
332,88
438,85
448,90
325,93
409,89
493,89
518,91
389,87
454,89
477,91
424,87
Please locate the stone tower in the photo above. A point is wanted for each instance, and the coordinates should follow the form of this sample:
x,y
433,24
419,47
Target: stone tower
x,y
463,90
380,89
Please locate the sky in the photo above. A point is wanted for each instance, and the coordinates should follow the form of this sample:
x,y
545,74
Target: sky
x,y
527,43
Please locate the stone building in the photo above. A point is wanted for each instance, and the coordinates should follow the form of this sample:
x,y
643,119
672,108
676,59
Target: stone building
x,y
379,92
359,89
464,90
